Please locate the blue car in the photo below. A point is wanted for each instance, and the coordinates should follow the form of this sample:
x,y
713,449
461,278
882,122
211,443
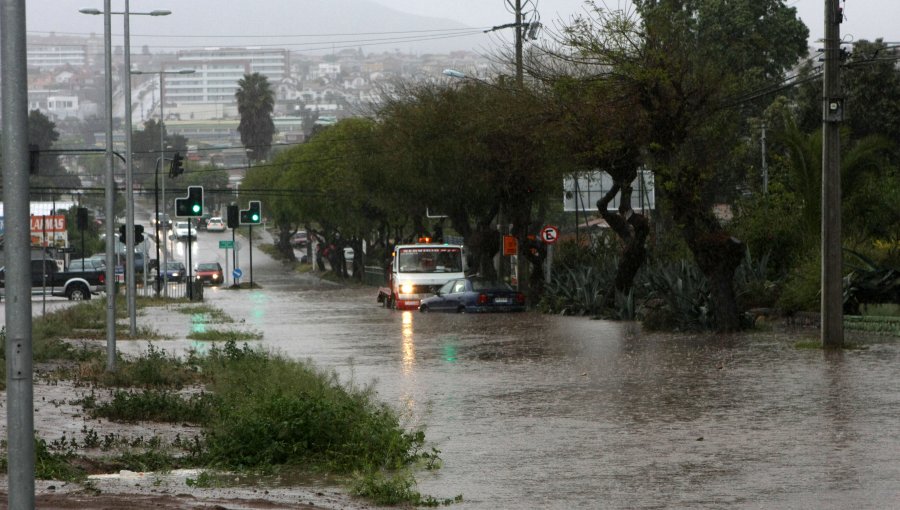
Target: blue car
x,y
176,272
474,294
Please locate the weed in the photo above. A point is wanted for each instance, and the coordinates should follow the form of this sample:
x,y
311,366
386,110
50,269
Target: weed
x,y
217,335
204,480
155,405
207,312
54,466
394,489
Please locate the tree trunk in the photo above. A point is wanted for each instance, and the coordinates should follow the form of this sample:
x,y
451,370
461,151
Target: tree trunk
x,y
718,256
632,229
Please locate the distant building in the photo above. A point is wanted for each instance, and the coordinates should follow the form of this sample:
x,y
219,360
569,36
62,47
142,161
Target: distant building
x,y
218,71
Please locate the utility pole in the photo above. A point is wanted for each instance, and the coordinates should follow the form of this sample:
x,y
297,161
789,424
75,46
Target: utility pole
x,y
832,320
519,31
16,208
765,164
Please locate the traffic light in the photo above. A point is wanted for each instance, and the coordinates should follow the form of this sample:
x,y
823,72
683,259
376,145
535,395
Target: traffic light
x,y
138,234
233,217
192,205
177,167
122,232
252,216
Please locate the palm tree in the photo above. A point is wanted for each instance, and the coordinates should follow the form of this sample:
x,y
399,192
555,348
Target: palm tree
x,y
860,159
256,101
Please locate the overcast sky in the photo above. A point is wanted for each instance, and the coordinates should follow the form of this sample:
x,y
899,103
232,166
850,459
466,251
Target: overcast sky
x,y
244,22
865,19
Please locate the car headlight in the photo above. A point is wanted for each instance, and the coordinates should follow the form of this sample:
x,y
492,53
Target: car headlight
x,y
406,288
215,277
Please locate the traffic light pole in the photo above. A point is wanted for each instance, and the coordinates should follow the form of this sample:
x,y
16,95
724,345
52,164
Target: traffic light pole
x,y
130,273
190,266
251,256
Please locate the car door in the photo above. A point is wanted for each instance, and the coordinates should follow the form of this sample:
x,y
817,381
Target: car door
x,y
443,299
39,270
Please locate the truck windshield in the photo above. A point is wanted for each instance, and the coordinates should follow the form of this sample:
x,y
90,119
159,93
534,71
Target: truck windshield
x,y
430,260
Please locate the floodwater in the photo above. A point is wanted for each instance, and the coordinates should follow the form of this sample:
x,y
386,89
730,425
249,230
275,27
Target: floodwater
x,y
537,411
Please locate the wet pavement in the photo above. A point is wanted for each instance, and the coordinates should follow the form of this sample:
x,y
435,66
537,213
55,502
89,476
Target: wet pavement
x,y
537,411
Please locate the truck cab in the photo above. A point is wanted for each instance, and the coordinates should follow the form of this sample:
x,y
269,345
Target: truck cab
x,y
418,270
46,278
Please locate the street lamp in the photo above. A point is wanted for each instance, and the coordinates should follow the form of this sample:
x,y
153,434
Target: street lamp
x,y
130,272
160,162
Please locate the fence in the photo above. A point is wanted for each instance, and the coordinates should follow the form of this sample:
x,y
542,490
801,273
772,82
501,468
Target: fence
x,y
175,290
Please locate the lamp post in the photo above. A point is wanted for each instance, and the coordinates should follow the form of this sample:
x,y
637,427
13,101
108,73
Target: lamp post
x,y
161,162
130,272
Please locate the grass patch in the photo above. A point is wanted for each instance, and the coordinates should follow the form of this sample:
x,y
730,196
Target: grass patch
x,y
152,405
395,489
207,313
224,335
154,368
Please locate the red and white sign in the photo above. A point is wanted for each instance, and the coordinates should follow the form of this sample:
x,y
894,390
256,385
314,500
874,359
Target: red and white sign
x,y
549,234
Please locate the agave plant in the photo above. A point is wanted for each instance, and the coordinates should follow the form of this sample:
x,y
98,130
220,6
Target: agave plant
x,y
682,293
869,282
579,289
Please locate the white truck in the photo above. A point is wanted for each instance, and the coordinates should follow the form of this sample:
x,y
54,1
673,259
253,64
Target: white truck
x,y
418,270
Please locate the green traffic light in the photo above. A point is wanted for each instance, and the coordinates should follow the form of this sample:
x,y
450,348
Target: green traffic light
x,y
196,208
255,217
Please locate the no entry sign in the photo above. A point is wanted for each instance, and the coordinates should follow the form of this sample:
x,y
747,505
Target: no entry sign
x,y
549,234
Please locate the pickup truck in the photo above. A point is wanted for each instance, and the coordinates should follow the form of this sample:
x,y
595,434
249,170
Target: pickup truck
x,y
75,285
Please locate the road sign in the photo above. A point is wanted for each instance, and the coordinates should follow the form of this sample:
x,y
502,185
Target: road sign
x,y
226,245
549,234
510,245
237,273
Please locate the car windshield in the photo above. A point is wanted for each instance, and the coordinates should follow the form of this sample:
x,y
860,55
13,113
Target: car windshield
x,y
437,259
181,224
208,267
174,266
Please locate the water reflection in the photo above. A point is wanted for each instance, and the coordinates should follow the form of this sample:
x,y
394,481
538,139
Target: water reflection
x,y
408,344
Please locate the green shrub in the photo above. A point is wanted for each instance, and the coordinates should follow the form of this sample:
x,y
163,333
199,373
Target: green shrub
x,y
802,287
275,411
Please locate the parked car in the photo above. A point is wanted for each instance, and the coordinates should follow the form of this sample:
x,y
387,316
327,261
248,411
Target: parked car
x,y
299,239
209,272
174,271
183,229
474,294
215,224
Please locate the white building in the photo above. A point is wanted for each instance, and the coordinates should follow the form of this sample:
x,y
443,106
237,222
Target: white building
x,y
216,77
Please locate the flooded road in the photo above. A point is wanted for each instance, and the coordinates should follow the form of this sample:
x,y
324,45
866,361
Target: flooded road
x,y
536,411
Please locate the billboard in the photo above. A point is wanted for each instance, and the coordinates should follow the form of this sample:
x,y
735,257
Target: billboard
x,y
49,230
582,190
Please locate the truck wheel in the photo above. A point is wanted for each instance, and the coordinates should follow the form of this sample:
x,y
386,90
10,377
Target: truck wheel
x,y
78,292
